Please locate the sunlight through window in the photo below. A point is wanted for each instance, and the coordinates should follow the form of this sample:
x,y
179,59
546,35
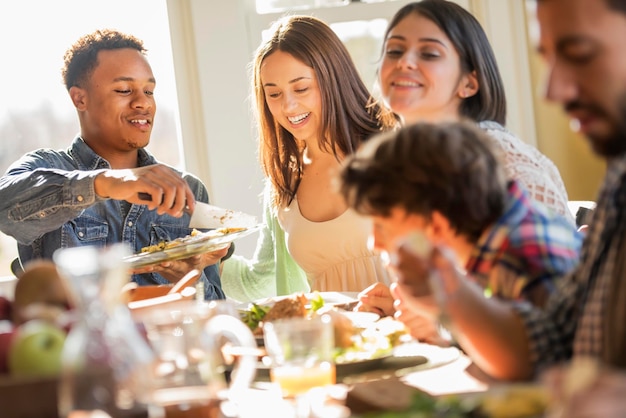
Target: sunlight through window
x,y
35,109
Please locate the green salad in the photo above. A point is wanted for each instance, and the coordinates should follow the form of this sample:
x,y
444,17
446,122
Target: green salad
x,y
255,313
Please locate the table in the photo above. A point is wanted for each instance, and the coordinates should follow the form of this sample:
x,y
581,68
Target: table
x,y
459,376
442,375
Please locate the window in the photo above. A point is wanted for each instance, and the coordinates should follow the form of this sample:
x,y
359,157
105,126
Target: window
x,y
364,40
35,109
360,25
278,6
273,6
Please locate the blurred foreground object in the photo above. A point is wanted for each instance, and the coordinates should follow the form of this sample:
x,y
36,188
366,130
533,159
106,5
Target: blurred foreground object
x,y
39,293
106,362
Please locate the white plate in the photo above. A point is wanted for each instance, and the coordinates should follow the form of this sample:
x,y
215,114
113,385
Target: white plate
x,y
361,319
343,368
436,355
202,243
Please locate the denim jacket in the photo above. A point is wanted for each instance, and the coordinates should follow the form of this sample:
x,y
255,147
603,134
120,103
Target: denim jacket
x,y
47,202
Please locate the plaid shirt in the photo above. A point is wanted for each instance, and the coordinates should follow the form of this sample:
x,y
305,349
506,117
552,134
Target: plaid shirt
x,y
572,322
521,254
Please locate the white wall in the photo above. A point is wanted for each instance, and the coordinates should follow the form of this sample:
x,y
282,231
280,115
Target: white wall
x,y
211,53
505,24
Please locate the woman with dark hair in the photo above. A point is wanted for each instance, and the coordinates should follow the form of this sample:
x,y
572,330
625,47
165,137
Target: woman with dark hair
x,y
312,110
438,65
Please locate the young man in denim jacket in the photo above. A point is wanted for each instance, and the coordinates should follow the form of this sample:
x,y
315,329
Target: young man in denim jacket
x,y
90,194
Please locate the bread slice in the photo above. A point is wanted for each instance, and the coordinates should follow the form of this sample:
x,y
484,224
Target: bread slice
x,y
380,395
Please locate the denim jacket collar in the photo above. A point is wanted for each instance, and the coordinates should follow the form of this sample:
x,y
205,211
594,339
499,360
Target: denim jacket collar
x,y
88,160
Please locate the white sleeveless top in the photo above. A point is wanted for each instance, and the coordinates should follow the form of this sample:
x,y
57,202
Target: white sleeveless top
x,y
333,254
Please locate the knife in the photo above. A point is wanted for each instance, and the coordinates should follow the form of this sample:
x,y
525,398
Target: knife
x,y
207,216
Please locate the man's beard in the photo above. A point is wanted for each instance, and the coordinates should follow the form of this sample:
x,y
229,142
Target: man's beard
x,y
614,143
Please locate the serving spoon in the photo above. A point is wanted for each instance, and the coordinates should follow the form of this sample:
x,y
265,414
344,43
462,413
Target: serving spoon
x,y
185,281
181,290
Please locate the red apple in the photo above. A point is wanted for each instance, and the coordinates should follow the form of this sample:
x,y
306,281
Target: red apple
x,y
6,336
5,308
36,349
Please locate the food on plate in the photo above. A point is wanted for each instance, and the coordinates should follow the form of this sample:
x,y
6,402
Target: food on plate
x,y
390,395
226,231
344,328
254,315
292,307
394,330
351,342
287,307
392,399
515,401
165,245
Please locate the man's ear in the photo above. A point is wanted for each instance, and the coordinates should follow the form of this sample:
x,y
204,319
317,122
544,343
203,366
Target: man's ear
x,y
468,86
79,97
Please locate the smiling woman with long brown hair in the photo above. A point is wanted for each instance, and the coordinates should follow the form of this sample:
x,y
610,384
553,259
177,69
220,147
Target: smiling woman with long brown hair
x,y
312,110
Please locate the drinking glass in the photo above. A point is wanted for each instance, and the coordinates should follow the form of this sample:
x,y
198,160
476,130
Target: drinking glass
x,y
301,352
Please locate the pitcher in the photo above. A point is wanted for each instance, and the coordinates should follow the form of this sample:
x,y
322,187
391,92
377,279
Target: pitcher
x,y
187,337
107,363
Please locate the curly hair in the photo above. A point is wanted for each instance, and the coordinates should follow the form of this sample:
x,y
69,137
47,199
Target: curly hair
x,y
81,58
452,168
350,114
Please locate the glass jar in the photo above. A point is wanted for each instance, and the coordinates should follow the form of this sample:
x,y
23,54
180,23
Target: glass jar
x,y
107,362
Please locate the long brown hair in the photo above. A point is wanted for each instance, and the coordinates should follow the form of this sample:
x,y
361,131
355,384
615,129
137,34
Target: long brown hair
x,y
349,113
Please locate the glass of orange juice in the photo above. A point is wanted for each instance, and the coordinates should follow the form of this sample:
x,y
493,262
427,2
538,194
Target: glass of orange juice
x,y
301,351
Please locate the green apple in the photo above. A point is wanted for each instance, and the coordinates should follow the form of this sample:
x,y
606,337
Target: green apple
x,y
36,349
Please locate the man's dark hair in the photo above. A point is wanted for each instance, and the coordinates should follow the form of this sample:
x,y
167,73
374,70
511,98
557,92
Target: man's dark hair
x,y
619,5
82,58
